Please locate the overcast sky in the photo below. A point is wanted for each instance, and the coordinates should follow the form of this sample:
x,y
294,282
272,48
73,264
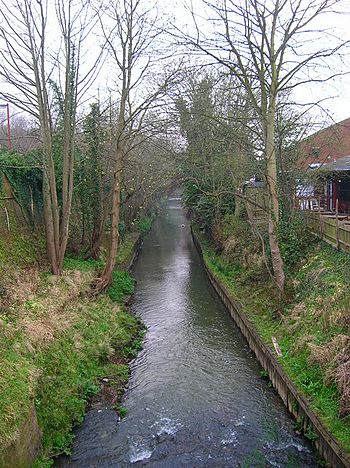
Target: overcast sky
x,y
337,91
335,94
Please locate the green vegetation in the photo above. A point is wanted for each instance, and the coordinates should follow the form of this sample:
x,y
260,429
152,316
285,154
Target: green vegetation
x,y
22,171
71,367
56,345
144,224
125,251
310,327
121,410
126,248
78,263
122,285
17,250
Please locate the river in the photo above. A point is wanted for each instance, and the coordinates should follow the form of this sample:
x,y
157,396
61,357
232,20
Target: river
x,y
196,397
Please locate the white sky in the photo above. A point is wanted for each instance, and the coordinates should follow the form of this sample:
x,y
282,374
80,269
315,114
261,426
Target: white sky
x,y
338,91
335,94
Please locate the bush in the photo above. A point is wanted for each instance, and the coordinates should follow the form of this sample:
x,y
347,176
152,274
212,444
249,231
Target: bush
x,y
122,285
294,239
144,224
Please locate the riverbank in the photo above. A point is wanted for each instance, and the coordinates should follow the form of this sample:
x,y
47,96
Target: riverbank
x,y
193,354
58,349
311,328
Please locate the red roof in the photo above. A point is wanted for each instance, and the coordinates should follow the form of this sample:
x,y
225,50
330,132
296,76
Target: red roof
x,y
327,145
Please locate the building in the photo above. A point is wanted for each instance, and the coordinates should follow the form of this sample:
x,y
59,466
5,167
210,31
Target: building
x,y
336,177
325,156
326,146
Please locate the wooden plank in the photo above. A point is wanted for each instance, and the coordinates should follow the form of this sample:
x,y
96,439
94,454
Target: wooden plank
x,y
337,223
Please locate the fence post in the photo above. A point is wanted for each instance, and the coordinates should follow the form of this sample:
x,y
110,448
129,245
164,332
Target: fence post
x,y
320,218
337,223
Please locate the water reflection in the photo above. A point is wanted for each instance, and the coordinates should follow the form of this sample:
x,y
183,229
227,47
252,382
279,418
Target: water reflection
x,y
195,396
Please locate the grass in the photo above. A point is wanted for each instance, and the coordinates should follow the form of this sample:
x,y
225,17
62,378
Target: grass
x,y
72,366
121,410
122,286
55,346
314,316
78,263
144,224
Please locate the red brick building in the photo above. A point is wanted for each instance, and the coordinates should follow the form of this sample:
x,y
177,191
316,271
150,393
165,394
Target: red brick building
x,y
328,152
327,145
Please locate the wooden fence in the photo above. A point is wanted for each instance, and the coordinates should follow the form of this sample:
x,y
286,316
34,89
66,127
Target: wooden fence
x,y
299,406
332,228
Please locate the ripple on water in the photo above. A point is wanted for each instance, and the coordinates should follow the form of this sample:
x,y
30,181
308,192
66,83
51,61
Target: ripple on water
x,y
139,451
195,397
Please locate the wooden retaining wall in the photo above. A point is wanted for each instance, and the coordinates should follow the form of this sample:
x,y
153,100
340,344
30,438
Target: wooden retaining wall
x,y
297,405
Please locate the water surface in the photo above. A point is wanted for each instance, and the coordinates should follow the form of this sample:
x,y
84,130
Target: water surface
x,y
196,397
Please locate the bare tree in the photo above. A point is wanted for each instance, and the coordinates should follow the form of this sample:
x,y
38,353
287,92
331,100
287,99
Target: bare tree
x,y
131,41
30,62
271,47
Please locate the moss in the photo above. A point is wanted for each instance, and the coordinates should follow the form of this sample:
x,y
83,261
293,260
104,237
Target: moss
x,y
71,367
321,296
126,248
17,249
96,339
15,382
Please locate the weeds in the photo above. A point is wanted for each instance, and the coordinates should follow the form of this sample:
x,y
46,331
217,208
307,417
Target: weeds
x,y
89,340
121,410
122,285
314,317
144,224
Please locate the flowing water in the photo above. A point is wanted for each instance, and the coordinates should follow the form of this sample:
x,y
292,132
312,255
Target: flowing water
x,y
196,397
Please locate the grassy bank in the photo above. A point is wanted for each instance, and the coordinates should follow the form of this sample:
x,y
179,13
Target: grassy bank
x,y
56,344
311,326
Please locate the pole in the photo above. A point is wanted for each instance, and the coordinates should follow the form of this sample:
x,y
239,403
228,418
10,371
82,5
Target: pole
x,y
9,145
337,222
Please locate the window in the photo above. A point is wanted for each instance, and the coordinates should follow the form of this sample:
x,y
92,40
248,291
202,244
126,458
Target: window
x,y
315,151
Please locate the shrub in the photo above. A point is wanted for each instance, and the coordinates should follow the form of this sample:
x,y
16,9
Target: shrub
x,y
122,285
294,239
144,224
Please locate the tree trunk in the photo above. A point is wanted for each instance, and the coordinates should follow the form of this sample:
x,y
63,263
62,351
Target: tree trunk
x,y
277,261
97,236
50,208
273,203
106,277
49,227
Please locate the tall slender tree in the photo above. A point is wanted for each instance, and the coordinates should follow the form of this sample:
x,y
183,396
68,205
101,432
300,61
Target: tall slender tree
x,y
131,32
270,47
30,61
